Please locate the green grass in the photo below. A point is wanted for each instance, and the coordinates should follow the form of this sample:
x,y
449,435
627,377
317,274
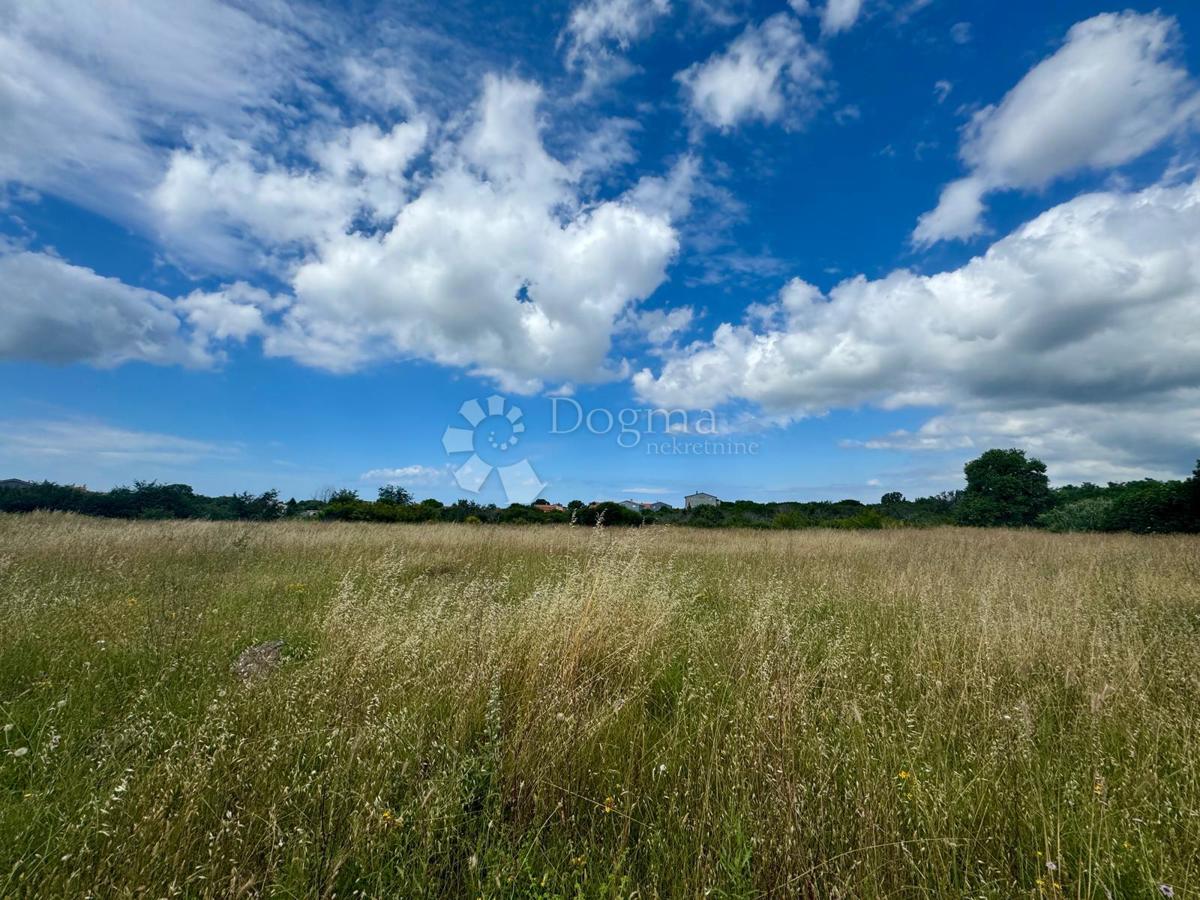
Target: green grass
x,y
555,712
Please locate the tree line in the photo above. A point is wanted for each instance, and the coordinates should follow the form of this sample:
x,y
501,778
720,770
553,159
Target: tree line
x,y
1004,488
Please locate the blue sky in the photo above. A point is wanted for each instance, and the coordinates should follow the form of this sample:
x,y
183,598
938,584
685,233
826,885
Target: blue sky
x,y
252,245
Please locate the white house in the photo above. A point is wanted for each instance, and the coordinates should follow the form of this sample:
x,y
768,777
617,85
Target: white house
x,y
691,501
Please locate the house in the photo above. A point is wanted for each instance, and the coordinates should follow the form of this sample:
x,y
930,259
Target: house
x,y
549,507
631,505
692,501
657,506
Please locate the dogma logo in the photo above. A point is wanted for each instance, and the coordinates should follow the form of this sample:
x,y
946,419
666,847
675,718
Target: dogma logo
x,y
495,432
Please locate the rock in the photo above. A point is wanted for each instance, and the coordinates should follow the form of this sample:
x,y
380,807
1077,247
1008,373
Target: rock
x,y
256,661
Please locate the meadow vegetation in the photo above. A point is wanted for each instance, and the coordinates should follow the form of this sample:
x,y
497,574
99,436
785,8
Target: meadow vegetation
x,y
578,712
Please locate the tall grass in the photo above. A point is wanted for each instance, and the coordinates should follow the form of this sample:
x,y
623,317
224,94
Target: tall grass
x,y
558,712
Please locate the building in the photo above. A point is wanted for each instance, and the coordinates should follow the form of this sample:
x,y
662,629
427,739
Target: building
x,y
657,506
691,501
549,507
631,504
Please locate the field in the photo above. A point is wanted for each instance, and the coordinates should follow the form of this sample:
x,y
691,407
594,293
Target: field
x,y
557,712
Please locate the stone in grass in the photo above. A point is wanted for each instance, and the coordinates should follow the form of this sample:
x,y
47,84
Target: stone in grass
x,y
257,661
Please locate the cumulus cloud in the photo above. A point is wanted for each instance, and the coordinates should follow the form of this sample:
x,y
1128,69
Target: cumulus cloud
x,y
660,326
768,73
598,33
224,203
1111,93
1088,313
493,262
54,312
840,15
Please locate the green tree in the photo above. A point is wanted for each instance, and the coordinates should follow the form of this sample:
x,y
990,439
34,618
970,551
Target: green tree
x,y
892,498
394,495
1004,487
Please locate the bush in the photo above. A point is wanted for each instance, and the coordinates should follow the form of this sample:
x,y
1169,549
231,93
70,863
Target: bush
x,y
791,520
869,519
1091,514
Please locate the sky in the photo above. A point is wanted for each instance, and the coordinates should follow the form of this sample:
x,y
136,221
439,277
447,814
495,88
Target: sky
x,y
600,249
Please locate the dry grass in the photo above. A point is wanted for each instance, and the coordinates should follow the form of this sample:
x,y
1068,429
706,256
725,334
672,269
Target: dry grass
x,y
554,712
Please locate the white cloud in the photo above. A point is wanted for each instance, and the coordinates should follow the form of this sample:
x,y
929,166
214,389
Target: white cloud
x,y
1110,94
599,31
840,15
456,238
496,264
89,91
942,89
849,113
961,32
493,261
51,442
404,475
768,73
54,312
1088,313
235,312
1099,442
660,326
225,204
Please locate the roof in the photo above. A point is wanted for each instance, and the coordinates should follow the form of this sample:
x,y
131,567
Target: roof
x,y
702,494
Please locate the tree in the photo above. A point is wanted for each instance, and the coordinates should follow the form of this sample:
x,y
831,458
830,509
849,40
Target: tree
x,y
1193,498
1004,487
575,504
394,495
892,498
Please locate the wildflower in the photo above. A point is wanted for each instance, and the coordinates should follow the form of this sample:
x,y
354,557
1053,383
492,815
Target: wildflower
x,y
904,775
609,805
1127,845
1166,890
1039,882
20,751
1051,865
579,861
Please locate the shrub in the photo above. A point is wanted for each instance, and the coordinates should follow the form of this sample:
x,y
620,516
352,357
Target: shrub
x,y
1090,514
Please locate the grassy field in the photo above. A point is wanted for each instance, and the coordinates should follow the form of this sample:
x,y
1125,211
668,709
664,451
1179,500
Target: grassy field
x,y
555,712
